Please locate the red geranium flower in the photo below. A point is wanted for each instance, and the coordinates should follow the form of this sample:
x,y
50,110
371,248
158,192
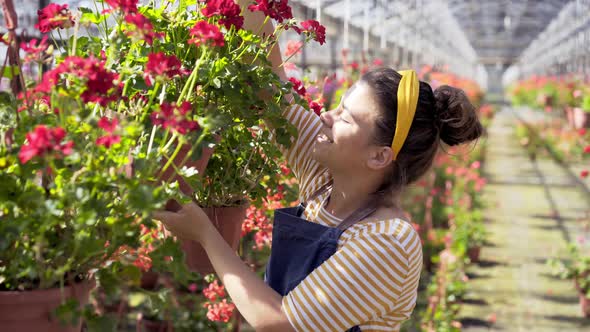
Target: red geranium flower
x,y
584,173
162,66
44,141
298,86
316,107
175,117
54,16
227,9
109,126
34,49
314,28
204,32
100,82
587,149
276,9
143,28
127,6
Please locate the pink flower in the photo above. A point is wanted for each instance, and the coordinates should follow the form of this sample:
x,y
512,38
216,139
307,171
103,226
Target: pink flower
x,y
34,50
587,149
289,66
43,141
213,291
293,47
228,10
54,16
377,62
584,173
220,312
192,287
276,9
203,32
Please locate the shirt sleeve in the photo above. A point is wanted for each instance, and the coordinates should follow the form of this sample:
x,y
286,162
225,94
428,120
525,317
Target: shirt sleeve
x,y
298,155
364,279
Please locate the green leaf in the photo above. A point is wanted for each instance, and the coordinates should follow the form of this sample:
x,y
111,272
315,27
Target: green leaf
x,y
217,82
10,72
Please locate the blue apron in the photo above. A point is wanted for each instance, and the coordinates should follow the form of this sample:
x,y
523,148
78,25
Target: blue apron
x,y
300,246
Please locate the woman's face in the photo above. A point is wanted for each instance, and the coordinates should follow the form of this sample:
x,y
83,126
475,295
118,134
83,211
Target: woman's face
x,y
345,140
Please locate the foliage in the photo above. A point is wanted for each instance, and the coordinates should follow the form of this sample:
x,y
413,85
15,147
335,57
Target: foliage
x,y
108,116
574,265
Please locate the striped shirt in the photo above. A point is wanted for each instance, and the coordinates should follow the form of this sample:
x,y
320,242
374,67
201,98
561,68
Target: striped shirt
x,y
372,279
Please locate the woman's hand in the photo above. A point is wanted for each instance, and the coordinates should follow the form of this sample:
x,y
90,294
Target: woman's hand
x,y
186,221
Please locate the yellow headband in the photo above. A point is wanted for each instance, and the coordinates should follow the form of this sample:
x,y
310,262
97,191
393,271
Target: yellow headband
x,y
407,100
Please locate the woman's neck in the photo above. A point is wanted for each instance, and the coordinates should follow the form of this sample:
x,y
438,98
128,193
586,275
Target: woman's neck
x,y
350,193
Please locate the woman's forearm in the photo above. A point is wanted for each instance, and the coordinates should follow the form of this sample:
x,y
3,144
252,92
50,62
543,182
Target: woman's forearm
x,y
253,21
257,302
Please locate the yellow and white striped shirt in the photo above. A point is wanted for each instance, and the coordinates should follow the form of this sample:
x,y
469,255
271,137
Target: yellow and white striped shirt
x,y
372,279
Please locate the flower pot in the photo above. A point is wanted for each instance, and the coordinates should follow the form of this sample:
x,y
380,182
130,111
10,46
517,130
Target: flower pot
x,y
148,325
584,304
569,112
581,118
149,280
473,254
228,221
33,310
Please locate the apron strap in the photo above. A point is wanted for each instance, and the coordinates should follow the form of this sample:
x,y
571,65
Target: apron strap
x,y
320,191
358,215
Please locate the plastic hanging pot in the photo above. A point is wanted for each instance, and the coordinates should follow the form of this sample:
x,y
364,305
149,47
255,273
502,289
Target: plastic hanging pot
x,y
228,221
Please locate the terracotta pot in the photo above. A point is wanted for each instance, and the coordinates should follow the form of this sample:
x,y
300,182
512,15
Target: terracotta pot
x,y
569,115
473,254
581,118
33,310
149,280
584,305
148,325
228,221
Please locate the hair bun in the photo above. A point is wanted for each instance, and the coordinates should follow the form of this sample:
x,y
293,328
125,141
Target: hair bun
x,y
455,116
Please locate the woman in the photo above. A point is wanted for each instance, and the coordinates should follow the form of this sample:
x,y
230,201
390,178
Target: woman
x,y
346,259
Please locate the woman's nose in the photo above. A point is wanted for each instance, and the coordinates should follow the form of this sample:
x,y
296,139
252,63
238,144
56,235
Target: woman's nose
x,y
327,118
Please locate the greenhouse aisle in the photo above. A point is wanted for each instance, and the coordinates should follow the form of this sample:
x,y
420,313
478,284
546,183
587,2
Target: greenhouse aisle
x,y
534,208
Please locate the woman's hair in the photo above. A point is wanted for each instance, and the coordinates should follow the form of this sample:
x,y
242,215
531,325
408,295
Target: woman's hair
x,y
443,115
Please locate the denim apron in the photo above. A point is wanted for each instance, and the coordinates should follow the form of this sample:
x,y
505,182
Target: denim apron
x,y
300,246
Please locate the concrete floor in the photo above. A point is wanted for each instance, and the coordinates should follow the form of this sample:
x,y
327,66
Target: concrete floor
x,y
534,209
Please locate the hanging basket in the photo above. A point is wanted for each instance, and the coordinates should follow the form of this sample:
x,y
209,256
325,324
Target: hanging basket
x,y
228,221
32,311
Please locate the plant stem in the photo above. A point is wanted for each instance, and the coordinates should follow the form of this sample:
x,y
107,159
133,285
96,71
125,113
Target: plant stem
x,y
171,159
189,84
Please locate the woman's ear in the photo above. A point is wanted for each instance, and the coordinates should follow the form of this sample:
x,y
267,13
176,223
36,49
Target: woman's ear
x,y
380,157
